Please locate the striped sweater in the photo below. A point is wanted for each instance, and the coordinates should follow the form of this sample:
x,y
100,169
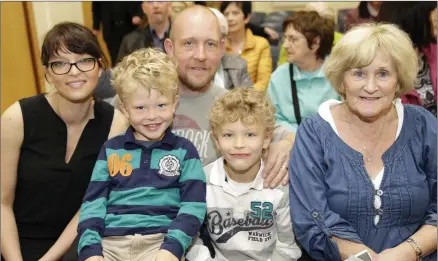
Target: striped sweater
x,y
139,190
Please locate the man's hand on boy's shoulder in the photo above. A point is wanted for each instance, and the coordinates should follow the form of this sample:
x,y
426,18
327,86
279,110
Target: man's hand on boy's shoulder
x,y
164,255
276,164
95,258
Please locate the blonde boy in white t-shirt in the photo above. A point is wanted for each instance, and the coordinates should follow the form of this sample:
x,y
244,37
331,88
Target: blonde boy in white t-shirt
x,y
245,221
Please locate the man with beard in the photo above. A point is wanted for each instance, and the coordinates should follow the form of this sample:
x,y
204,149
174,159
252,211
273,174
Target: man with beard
x,y
195,42
156,28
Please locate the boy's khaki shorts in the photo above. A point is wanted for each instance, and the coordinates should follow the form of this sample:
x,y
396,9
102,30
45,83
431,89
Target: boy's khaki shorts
x,y
132,248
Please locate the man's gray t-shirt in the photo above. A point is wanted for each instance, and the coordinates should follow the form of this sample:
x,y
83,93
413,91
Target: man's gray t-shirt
x,y
191,122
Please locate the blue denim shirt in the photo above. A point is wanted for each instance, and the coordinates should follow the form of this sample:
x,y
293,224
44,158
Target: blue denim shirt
x,y
331,193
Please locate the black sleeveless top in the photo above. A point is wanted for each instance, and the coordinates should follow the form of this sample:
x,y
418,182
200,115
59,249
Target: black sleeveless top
x,y
49,191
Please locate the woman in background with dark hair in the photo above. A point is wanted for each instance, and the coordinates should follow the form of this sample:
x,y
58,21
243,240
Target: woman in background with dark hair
x,y
241,41
49,145
367,11
418,20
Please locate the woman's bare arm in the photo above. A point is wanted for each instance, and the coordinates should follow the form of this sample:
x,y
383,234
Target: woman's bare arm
x,y
12,132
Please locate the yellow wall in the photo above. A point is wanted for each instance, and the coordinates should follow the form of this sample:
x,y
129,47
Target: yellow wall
x,y
17,71
47,14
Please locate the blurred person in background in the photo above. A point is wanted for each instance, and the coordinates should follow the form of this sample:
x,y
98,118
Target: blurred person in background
x,y
367,11
298,87
265,31
418,20
232,71
179,6
155,30
323,10
118,19
241,41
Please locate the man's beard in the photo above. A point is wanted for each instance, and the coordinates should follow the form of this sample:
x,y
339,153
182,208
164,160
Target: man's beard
x,y
184,79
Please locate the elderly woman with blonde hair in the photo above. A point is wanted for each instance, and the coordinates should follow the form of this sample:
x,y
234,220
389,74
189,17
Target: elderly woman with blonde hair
x,y
363,172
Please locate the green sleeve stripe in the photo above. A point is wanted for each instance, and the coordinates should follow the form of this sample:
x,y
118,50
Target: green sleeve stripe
x,y
136,220
93,209
89,237
145,196
100,171
181,237
196,209
192,170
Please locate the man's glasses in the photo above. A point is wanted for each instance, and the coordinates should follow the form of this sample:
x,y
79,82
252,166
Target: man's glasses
x,y
83,65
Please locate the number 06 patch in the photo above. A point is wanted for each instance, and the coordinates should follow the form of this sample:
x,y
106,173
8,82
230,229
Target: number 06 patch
x,y
116,165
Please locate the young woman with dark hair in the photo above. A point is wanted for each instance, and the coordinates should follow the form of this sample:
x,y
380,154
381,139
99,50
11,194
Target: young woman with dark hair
x,y
49,145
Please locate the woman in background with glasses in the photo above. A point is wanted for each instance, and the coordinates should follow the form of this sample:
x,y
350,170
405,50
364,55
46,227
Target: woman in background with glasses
x,y
49,145
323,10
308,39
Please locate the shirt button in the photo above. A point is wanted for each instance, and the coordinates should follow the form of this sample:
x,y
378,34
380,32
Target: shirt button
x,y
379,192
315,214
146,161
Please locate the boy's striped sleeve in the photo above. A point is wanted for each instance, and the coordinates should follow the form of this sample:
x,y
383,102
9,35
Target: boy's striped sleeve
x,y
191,214
93,210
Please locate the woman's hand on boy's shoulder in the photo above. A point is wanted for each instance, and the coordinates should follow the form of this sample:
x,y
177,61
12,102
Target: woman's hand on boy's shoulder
x,y
276,164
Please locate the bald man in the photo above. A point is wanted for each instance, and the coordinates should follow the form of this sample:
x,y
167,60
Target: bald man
x,y
195,42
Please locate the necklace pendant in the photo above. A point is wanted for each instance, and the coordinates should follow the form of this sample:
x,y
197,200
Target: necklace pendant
x,y
370,159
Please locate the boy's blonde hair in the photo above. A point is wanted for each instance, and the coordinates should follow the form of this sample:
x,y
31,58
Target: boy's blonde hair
x,y
359,46
150,68
246,104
